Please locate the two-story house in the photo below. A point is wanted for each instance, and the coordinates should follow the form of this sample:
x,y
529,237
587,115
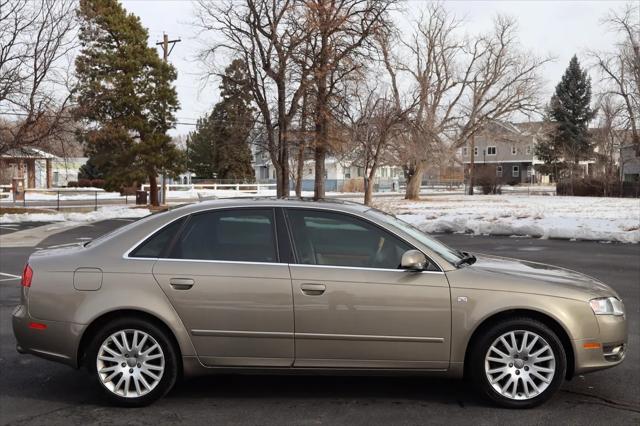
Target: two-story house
x,y
506,151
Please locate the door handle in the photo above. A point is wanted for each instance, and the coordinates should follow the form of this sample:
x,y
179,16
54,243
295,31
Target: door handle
x,y
181,283
313,289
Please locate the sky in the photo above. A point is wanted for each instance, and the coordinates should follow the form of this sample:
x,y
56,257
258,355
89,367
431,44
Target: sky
x,y
557,28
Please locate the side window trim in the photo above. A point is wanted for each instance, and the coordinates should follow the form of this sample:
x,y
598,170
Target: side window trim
x,y
295,251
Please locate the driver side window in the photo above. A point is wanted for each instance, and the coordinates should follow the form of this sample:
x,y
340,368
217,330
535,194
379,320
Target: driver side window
x,y
335,239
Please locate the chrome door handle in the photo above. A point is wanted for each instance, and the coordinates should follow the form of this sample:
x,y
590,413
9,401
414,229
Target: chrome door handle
x,y
313,289
181,283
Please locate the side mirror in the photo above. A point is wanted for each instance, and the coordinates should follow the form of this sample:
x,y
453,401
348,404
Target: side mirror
x,y
413,260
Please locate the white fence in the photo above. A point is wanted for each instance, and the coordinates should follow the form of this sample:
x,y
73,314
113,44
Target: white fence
x,y
239,187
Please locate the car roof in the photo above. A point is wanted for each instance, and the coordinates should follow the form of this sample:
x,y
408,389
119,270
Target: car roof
x,y
328,203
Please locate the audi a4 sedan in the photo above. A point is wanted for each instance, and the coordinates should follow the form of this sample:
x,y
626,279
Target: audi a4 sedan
x,y
292,285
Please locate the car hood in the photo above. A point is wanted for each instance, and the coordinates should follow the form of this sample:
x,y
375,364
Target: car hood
x,y
538,277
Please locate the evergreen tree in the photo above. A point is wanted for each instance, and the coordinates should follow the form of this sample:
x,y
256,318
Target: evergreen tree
x,y
219,147
90,170
201,150
125,95
570,109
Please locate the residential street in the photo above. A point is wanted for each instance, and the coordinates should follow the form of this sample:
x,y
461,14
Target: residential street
x,y
35,391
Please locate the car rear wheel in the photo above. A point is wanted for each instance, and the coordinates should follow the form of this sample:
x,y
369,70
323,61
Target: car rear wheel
x,y
133,361
518,363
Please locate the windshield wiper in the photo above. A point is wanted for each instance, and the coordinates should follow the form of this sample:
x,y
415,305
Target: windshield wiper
x,y
467,258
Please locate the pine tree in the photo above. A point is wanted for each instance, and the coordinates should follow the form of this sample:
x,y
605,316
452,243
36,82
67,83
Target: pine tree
x,y
125,95
219,147
201,150
570,110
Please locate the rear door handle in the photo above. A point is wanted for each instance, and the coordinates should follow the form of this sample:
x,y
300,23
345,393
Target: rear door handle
x,y
313,289
181,283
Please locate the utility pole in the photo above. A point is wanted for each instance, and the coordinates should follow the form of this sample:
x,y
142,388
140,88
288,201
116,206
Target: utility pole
x,y
165,55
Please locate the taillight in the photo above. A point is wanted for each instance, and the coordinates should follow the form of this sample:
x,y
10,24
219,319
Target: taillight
x,y
27,276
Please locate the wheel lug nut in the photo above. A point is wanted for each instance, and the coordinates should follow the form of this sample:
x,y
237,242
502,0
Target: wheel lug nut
x,y
131,370
526,368
126,355
517,371
510,364
515,356
124,364
139,365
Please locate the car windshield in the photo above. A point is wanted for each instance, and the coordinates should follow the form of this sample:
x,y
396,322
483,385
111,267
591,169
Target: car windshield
x,y
450,255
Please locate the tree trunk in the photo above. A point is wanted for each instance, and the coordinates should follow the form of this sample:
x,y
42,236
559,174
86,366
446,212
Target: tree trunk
x,y
318,185
414,181
472,165
300,170
153,190
368,187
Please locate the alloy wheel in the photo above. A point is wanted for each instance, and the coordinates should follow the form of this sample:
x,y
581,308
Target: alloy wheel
x,y
520,365
130,363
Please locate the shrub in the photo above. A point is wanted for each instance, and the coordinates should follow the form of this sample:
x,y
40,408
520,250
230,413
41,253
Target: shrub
x,y
98,183
84,183
594,187
72,184
486,178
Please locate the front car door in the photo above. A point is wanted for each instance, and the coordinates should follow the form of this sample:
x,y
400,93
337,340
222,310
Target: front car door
x,y
224,277
354,307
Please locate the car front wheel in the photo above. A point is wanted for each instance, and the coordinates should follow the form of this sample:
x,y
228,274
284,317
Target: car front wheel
x,y
134,362
518,363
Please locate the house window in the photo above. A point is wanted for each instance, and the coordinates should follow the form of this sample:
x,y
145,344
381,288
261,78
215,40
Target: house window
x,y
465,151
515,171
475,151
347,174
499,171
491,150
384,172
514,150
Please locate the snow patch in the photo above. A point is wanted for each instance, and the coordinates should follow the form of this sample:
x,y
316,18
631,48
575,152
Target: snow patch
x,y
572,218
103,213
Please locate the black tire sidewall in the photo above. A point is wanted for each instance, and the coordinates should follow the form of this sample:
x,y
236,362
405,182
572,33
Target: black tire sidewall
x,y
169,375
486,340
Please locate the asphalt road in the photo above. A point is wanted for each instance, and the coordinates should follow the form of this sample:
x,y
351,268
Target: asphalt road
x,y
34,391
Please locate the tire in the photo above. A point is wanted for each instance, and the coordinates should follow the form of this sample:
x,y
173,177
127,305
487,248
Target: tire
x,y
536,369
139,373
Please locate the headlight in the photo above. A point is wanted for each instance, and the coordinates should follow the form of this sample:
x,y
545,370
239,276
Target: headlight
x,y
607,306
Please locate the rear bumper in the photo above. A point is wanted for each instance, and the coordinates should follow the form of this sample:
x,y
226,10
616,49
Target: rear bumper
x,y
607,350
57,342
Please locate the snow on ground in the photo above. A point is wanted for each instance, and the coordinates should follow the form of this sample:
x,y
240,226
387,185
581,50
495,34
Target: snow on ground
x,y
192,194
103,213
68,194
580,218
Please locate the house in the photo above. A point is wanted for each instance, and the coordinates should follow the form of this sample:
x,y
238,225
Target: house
x,y
629,164
38,168
507,151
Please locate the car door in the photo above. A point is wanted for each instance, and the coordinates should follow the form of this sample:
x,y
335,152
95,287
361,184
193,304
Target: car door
x,y
224,278
354,307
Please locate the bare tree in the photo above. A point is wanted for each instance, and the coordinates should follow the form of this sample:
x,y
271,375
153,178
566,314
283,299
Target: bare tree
x,y
501,80
620,69
433,64
270,36
342,32
36,38
609,138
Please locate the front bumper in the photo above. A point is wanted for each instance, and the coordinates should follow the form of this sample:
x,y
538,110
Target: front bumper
x,y
605,351
57,342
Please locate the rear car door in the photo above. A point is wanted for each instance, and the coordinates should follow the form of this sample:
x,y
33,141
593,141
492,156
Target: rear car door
x,y
354,307
224,277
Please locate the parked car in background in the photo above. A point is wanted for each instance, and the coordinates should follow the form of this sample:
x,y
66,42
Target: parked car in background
x,y
281,285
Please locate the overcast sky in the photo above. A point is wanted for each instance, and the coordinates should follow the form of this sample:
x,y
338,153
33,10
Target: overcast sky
x,y
557,28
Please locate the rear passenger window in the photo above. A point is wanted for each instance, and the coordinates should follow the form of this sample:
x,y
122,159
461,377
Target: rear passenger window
x,y
231,235
155,245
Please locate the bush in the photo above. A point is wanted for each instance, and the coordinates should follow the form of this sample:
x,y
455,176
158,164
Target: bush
x,y
353,185
488,181
98,183
72,184
594,187
83,183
